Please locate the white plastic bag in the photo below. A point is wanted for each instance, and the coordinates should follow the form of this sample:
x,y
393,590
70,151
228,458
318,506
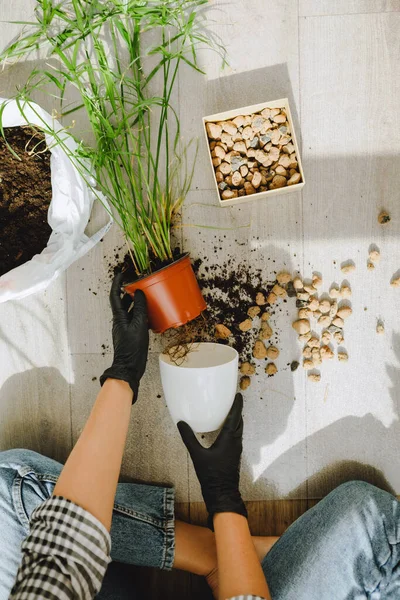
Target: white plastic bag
x,y
68,214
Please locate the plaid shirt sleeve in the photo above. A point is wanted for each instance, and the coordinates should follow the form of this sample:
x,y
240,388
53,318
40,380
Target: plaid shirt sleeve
x,y
65,555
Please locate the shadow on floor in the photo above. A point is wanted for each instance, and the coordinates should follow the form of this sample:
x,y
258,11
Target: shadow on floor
x,y
33,404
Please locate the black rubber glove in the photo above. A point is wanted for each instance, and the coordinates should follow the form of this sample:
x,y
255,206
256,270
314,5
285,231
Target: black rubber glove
x,y
130,334
218,467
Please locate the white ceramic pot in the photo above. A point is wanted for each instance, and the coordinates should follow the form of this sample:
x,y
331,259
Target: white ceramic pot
x,y
201,390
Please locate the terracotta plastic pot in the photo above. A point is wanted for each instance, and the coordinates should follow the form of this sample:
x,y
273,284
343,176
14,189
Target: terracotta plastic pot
x,y
173,295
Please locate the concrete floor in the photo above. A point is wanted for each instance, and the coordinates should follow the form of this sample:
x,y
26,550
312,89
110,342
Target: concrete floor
x,y
337,62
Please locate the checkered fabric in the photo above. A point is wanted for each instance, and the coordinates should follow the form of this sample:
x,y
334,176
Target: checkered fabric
x,y
65,555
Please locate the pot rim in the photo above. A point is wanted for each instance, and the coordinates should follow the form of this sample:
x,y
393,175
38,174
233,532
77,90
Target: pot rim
x,y
163,357
144,277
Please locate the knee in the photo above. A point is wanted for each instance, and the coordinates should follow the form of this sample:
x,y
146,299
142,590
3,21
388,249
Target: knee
x,y
18,457
357,495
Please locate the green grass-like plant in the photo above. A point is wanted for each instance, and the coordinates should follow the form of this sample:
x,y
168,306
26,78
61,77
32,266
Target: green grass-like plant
x,y
138,161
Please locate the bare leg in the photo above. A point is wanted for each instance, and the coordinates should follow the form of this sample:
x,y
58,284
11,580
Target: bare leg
x,y
195,551
263,544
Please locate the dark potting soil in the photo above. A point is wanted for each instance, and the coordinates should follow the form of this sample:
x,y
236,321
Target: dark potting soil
x,y
130,274
25,195
230,290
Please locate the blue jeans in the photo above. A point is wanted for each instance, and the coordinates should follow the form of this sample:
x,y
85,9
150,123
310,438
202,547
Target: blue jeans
x,y
142,532
346,547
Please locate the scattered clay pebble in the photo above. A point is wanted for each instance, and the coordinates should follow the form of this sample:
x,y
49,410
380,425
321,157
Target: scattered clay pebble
x,y
342,356
310,289
345,291
265,316
315,377
314,342
344,312
305,337
294,365
297,283
247,368
222,332
326,352
304,313
259,350
333,309
279,291
272,298
301,326
272,353
316,357
324,306
383,217
307,352
324,321
395,282
303,295
316,314
348,268
375,255
271,369
380,327
260,299
338,336
338,322
283,277
316,280
246,325
308,364
313,304
326,337
370,266
332,329
244,382
253,311
334,292
266,331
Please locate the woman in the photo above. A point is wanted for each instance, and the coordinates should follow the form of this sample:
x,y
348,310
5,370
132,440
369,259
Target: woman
x,y
346,547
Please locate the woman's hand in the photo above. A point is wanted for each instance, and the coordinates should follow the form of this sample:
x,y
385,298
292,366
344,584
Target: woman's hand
x,y
130,337
218,467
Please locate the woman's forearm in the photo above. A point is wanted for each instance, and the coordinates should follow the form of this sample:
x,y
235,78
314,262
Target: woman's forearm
x,y
239,569
90,475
